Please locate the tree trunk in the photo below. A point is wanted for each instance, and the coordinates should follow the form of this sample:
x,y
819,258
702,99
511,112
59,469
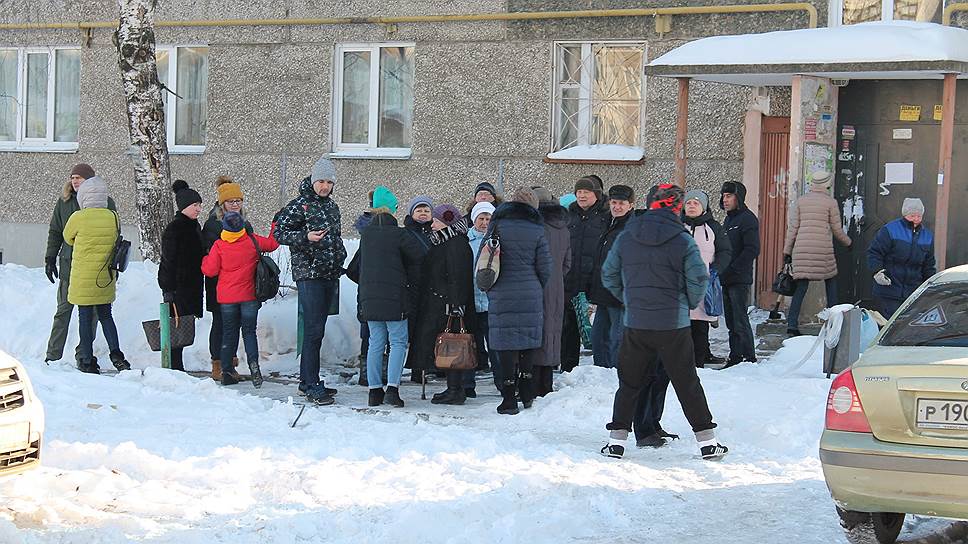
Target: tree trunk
x,y
135,40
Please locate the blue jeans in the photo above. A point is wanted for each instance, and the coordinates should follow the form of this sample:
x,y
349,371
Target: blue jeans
x,y
381,332
87,328
607,332
793,316
243,315
315,297
735,299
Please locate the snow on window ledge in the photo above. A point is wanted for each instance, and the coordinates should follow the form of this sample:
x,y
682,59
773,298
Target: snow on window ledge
x,y
372,153
598,153
64,147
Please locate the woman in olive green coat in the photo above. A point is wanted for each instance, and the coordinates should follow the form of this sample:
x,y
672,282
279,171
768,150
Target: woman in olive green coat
x,y
92,232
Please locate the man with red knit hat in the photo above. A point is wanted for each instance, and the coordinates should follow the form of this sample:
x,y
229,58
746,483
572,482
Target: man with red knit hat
x,y
656,270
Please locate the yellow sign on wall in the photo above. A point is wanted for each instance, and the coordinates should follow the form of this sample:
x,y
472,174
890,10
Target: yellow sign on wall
x,y
910,113
938,111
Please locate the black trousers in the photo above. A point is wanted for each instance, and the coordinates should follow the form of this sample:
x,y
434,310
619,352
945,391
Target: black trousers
x,y
570,338
177,359
651,404
700,340
735,300
516,362
637,360
543,380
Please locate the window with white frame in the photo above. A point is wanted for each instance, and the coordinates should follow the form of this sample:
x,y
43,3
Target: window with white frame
x,y
40,96
598,100
373,100
184,70
849,12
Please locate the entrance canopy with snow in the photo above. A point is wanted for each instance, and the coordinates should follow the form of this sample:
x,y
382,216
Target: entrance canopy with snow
x,y
892,50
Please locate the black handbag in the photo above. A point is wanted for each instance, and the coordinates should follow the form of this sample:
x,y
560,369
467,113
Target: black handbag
x,y
784,284
121,254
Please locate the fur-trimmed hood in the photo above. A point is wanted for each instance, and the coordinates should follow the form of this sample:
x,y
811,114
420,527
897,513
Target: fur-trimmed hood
x,y
554,215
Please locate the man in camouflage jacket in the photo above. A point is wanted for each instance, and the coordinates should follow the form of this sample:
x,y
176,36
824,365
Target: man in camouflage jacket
x,y
310,226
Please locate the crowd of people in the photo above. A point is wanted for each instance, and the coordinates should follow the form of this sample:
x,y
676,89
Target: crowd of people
x,y
656,278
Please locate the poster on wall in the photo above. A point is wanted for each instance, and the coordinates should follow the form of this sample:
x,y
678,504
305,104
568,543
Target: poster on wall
x,y
817,157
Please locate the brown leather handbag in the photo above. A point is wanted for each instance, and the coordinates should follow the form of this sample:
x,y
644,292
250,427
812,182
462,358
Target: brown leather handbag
x,y
455,350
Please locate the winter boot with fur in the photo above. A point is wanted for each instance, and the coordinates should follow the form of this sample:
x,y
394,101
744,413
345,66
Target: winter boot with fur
x,y
392,397
256,374
526,389
118,360
216,370
509,406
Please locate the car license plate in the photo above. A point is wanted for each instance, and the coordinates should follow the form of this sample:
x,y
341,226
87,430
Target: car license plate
x,y
942,414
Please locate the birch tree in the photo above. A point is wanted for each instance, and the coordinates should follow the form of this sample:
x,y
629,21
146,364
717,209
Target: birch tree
x,y
135,40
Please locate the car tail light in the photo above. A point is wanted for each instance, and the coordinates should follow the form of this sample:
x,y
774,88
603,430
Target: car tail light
x,y
844,411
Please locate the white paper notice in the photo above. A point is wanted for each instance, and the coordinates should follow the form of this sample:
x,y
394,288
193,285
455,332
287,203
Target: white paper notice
x,y
896,173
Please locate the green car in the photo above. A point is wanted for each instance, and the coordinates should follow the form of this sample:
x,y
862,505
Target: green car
x,y
895,440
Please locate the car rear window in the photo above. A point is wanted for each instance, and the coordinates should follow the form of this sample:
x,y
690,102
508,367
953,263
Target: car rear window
x,y
938,317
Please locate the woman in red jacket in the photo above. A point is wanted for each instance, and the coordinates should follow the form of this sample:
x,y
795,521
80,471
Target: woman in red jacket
x,y
233,259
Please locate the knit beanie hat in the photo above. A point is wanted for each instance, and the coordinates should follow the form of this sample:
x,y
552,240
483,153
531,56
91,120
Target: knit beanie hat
x,y
567,199
185,196
419,200
83,170
447,214
667,195
479,208
525,196
323,169
544,195
698,195
820,177
485,186
621,192
586,183
233,222
598,181
384,198
909,206
228,190
93,193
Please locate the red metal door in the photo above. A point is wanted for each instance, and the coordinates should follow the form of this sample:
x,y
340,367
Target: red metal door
x,y
774,167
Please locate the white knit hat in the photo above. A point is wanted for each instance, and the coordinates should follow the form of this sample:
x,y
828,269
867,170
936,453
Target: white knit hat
x,y
479,208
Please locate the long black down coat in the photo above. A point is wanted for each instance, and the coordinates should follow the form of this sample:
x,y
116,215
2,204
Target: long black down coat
x,y
515,304
180,271
385,267
559,245
448,281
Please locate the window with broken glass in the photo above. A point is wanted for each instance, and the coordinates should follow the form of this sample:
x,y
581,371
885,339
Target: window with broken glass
x,y
598,98
373,114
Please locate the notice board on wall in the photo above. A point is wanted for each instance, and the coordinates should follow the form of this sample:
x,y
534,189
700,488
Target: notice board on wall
x,y
817,157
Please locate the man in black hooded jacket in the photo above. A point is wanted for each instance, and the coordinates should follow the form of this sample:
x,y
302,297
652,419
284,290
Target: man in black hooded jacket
x,y
743,230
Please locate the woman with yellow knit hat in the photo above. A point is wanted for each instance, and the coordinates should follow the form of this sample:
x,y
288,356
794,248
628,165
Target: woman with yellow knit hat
x,y
230,199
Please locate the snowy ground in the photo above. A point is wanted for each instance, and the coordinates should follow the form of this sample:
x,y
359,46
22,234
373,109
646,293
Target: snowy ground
x,y
160,456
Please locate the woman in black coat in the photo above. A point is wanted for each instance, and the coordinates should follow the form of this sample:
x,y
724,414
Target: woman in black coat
x,y
418,224
448,290
229,199
515,304
180,271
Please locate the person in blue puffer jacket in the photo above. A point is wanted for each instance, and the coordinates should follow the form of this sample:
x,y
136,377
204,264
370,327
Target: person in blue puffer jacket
x,y
902,254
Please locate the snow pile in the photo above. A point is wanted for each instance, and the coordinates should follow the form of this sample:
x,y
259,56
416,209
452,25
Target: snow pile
x,y
30,300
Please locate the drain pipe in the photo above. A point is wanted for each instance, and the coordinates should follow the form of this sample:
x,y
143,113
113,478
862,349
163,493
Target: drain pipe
x,y
504,16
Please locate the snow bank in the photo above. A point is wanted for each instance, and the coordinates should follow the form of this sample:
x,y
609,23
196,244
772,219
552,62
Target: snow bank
x,y
30,300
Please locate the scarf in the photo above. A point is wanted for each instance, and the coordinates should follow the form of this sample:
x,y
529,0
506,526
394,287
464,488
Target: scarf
x,y
231,237
459,227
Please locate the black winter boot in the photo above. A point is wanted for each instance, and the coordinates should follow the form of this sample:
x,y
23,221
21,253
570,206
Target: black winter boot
x,y
88,366
454,394
117,359
526,389
392,397
376,397
363,380
256,373
227,379
509,406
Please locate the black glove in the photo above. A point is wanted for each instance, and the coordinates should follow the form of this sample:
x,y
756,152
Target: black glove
x,y
787,259
168,297
51,268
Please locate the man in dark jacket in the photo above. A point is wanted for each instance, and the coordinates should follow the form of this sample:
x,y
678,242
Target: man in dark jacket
x,y
902,254
57,250
385,267
588,217
743,230
656,269
310,226
607,328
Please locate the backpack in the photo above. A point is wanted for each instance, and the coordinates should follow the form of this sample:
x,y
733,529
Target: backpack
x,y
266,275
488,266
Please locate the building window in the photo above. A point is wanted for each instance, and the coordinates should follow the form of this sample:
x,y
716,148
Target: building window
x,y
40,96
184,70
373,100
598,103
848,12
